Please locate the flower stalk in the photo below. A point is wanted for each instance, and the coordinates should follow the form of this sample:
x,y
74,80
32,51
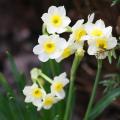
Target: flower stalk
x,y
76,62
99,67
45,77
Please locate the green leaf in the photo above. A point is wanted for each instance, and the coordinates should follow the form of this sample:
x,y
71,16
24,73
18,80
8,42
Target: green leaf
x,y
118,63
109,58
115,1
5,84
19,77
104,103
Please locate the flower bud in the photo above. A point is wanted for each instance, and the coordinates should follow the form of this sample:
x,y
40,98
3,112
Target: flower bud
x,y
35,72
80,52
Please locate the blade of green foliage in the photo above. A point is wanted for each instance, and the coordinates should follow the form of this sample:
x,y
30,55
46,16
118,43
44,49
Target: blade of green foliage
x,y
4,109
103,103
118,63
19,78
115,2
5,84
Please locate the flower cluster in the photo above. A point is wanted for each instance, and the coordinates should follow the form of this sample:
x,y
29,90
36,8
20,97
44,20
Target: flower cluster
x,y
52,46
37,95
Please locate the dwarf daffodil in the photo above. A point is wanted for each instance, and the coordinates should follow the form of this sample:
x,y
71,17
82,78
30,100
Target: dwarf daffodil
x,y
34,94
100,46
68,50
78,32
58,85
97,30
56,20
49,100
49,47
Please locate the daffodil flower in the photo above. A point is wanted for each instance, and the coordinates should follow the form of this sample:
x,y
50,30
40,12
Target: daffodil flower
x,y
49,47
34,94
68,50
49,100
56,20
97,30
57,87
100,46
78,31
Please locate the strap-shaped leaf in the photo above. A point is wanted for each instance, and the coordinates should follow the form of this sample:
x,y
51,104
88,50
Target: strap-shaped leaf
x,y
19,77
104,103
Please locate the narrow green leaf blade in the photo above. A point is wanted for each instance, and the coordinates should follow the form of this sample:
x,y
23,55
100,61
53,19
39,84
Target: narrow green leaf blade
x,y
103,103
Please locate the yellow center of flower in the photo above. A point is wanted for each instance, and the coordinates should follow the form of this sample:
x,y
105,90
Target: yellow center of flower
x,y
101,43
56,20
96,32
49,46
37,93
58,86
48,101
66,53
79,33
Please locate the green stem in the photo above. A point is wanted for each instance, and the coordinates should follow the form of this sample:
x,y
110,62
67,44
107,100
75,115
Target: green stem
x,y
44,32
75,65
94,89
46,77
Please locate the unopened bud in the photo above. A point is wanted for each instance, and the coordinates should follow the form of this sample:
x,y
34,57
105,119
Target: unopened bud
x,y
80,52
35,73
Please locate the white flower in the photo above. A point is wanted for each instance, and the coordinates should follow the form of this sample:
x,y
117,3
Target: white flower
x,y
56,20
78,32
97,30
35,72
68,50
100,46
34,94
49,47
49,100
58,85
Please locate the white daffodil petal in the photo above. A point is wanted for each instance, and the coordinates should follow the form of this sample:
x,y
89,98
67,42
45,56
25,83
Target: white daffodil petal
x,y
26,90
89,27
66,21
63,75
28,99
50,29
45,18
112,42
77,24
39,107
100,24
34,86
42,39
62,10
92,50
61,94
43,57
37,102
52,9
47,107
61,43
37,49
107,31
